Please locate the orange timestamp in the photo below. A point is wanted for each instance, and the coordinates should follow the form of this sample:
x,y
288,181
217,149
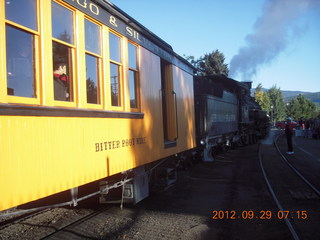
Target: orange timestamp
x,y
262,214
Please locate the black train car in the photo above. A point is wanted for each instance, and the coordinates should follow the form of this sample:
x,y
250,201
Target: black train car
x,y
225,114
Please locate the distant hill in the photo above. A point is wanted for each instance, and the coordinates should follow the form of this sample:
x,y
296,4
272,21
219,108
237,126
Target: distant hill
x,y
288,95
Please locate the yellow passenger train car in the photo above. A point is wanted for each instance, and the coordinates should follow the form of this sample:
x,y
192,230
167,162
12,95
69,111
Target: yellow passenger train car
x,y
86,93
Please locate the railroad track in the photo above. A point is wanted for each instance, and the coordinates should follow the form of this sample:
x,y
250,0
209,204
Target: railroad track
x,y
56,223
297,198
6,222
72,228
298,172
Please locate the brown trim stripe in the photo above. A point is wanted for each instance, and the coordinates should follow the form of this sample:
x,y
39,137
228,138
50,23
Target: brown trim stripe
x,y
43,111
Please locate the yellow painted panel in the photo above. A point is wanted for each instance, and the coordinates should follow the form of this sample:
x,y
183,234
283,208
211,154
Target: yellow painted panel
x,y
44,155
40,156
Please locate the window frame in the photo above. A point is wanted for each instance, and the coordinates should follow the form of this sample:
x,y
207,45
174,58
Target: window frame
x,y
101,92
137,78
43,84
73,50
36,64
120,65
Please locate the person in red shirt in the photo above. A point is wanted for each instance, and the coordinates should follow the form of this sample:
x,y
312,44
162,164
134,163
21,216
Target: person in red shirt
x,y
61,82
289,133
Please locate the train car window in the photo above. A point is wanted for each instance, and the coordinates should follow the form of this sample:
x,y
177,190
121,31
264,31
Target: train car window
x,y
62,23
133,89
92,37
115,47
23,12
92,43
92,76
20,63
132,49
62,33
62,72
133,75
114,84
115,65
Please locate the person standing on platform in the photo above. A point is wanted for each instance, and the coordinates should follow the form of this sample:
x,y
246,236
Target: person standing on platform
x,y
289,133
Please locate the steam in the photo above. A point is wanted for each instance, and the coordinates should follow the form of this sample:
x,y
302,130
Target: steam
x,y
273,31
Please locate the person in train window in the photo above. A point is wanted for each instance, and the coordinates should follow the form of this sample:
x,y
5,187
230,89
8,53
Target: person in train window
x,y
289,133
61,81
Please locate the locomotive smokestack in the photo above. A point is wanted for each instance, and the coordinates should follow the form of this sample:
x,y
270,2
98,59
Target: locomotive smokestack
x,y
273,31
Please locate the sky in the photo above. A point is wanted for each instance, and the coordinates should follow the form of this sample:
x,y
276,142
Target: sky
x,y
272,42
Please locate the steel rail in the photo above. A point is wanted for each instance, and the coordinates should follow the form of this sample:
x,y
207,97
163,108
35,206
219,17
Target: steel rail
x,y
296,170
287,221
77,222
17,219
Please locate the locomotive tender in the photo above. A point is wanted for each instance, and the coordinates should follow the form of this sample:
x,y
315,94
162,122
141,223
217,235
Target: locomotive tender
x,y
90,97
226,114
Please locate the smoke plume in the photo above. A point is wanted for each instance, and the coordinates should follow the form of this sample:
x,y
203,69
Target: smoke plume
x,y
273,31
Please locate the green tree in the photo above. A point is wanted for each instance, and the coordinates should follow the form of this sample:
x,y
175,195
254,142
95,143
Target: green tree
x,y
262,98
210,64
301,108
277,105
190,59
